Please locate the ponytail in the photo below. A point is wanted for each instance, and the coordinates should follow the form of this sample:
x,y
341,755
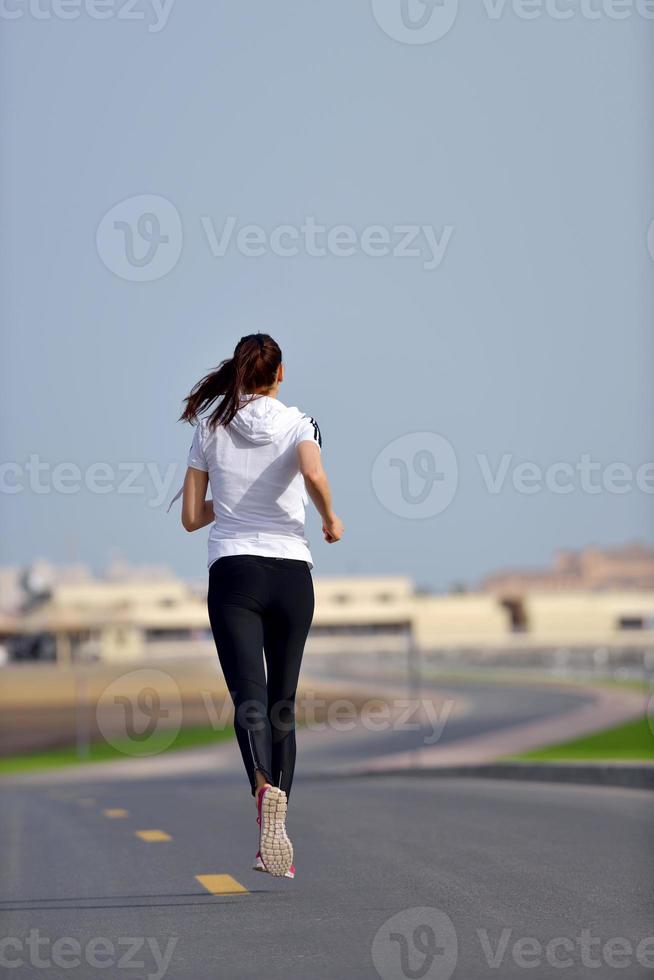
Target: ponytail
x,y
254,366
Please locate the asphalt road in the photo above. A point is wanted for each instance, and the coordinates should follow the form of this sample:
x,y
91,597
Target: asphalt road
x,y
486,708
477,878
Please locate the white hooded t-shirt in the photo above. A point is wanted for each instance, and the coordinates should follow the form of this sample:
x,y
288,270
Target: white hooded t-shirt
x,y
258,492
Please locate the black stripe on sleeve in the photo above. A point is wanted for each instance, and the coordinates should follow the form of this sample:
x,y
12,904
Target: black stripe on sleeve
x,y
317,434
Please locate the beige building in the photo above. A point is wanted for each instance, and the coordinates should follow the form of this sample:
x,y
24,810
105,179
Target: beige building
x,y
607,618
134,619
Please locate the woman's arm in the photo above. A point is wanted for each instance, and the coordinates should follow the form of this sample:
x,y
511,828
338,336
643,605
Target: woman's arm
x,y
197,512
317,484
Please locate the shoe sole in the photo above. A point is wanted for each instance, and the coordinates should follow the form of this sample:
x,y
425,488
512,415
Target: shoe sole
x,y
255,867
275,847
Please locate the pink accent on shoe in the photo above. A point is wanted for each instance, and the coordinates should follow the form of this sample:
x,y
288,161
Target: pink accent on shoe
x,y
260,795
260,866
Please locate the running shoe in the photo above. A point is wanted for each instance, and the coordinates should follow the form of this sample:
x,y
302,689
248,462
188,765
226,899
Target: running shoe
x,y
260,866
275,849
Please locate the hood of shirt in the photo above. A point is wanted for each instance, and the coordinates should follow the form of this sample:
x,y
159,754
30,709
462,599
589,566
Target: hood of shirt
x,y
263,420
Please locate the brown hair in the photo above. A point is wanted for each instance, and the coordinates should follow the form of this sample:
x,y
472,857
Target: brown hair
x,y
253,366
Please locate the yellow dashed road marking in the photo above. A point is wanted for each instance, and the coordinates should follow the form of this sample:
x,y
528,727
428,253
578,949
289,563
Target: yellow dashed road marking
x,y
153,835
221,885
115,814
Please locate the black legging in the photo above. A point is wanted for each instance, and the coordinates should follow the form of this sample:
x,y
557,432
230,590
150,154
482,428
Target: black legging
x,y
257,605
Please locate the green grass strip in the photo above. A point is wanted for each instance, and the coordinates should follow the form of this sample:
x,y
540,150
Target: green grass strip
x,y
157,743
633,740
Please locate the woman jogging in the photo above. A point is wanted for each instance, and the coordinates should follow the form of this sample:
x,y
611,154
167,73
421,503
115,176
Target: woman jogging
x,y
258,456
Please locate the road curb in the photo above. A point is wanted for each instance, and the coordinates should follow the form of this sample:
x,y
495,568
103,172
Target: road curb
x,y
626,776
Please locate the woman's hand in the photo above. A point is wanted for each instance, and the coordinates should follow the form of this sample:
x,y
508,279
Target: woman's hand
x,y
333,529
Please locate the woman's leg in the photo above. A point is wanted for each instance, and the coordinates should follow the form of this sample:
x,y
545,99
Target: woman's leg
x,y
285,631
236,602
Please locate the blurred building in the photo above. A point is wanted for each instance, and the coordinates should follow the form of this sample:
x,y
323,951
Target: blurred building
x,y
588,570
128,615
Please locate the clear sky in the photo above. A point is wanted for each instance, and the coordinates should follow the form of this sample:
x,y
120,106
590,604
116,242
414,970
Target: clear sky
x,y
511,158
